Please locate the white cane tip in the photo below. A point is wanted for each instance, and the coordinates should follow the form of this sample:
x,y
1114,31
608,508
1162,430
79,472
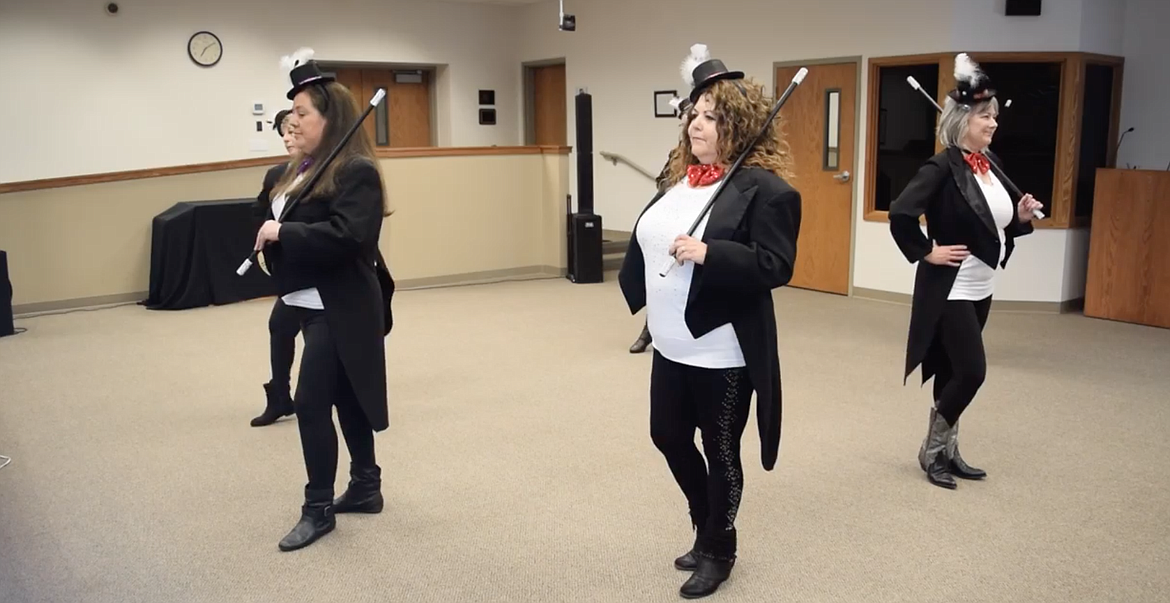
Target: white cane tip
x,y
800,75
913,82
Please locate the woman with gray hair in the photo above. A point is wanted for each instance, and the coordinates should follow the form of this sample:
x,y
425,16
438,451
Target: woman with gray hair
x,y
972,220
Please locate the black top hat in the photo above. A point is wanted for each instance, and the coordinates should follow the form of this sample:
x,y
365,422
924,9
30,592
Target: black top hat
x,y
972,86
279,119
700,71
709,72
305,75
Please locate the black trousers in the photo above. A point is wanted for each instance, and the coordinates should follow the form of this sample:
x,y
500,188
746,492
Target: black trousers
x,y
283,326
322,385
717,403
960,331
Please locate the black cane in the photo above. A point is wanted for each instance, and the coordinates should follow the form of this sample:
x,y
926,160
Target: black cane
x,y
1039,215
796,80
378,96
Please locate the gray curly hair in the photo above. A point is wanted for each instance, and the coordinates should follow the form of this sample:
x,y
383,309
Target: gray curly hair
x,y
952,126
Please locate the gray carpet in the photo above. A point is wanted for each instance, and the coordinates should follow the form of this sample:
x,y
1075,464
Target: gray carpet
x,y
518,465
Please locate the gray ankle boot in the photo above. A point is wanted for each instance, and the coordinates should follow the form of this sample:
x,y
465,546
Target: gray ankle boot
x,y
932,455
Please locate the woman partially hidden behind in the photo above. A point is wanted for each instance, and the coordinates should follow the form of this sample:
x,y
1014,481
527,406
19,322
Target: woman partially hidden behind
x,y
972,219
711,317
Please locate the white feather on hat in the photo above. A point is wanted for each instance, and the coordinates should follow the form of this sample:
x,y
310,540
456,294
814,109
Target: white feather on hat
x,y
967,70
699,55
296,59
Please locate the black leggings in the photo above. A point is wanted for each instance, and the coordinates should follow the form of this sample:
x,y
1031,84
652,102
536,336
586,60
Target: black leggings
x,y
321,385
717,402
961,333
283,326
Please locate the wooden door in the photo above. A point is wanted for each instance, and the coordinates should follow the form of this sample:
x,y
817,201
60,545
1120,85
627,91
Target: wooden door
x,y
409,105
820,125
549,118
403,119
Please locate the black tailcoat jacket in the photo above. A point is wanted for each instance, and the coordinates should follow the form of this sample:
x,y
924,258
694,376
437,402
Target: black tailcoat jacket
x,y
751,249
332,244
263,205
946,192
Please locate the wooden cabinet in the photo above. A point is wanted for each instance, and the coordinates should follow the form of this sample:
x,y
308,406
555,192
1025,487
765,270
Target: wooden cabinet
x,y
1129,248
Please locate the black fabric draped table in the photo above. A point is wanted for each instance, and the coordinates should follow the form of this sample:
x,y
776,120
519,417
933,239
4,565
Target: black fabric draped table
x,y
195,249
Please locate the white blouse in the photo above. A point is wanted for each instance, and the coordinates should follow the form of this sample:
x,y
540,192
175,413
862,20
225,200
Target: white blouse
x,y
305,298
666,298
976,280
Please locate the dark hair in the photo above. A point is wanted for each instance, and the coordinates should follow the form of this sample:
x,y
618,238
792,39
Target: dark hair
x,y
340,111
278,121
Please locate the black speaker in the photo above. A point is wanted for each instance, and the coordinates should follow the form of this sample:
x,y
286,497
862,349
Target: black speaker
x,y
6,325
1022,8
585,255
584,153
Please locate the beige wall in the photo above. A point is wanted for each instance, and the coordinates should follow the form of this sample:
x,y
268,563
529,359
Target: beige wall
x,y
457,219
469,45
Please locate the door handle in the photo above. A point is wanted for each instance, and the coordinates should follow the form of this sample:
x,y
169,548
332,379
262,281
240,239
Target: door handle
x,y
842,177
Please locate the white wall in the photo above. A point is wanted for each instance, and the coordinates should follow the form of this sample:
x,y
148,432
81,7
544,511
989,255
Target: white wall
x,y
136,101
982,25
104,93
1146,85
1103,26
623,51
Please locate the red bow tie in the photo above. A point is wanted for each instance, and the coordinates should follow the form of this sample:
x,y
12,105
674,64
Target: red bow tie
x,y
703,175
978,162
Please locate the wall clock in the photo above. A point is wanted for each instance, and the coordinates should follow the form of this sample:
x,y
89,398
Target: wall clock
x,y
205,48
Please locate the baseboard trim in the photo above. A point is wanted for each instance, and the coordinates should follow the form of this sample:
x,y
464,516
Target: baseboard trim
x,y
80,303
1071,306
451,280
524,273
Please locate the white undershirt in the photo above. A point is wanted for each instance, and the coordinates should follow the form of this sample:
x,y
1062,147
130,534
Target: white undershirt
x,y
305,298
976,280
666,298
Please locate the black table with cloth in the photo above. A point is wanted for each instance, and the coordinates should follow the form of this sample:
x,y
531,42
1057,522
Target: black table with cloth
x,y
195,249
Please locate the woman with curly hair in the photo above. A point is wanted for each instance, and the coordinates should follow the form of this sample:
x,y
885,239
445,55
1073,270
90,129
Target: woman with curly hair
x,y
711,317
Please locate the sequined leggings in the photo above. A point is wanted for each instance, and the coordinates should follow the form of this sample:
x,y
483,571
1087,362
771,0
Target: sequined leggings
x,y
716,402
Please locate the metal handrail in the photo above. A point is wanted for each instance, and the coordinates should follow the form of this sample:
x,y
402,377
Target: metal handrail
x,y
615,158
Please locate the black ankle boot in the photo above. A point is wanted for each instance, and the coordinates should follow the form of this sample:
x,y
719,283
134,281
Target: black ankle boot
x,y
709,574
642,341
279,405
316,521
364,494
688,562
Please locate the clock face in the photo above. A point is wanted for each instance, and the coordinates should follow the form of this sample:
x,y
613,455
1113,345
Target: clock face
x,y
205,48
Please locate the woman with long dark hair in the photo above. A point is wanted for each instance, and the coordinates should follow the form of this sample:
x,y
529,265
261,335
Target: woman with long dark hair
x,y
324,257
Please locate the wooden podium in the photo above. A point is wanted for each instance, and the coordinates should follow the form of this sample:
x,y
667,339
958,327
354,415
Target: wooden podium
x,y
1129,248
